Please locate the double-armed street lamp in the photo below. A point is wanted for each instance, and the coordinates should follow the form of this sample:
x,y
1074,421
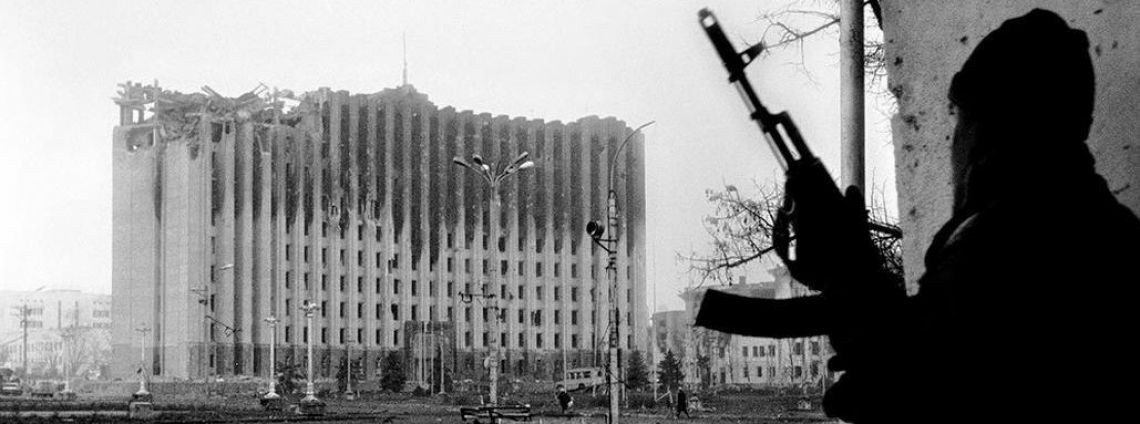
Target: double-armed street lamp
x,y
609,245
493,178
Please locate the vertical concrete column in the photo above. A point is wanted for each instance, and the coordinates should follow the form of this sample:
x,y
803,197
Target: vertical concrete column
x,y
315,217
244,259
336,316
179,208
303,146
851,131
200,265
387,324
353,234
403,246
371,270
593,315
225,240
279,265
263,283
635,219
463,278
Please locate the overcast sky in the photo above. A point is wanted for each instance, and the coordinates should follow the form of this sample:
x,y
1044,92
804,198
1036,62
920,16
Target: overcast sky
x,y
639,61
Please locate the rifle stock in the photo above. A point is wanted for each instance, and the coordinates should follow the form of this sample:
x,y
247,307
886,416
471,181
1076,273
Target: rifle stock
x,y
758,317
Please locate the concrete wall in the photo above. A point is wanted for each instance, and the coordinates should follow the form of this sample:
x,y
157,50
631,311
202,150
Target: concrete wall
x,y
927,42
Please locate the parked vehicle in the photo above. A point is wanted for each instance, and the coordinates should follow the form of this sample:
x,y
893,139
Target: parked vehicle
x,y
583,379
11,388
10,385
46,388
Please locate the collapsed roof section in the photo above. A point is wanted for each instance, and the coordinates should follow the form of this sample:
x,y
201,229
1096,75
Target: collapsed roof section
x,y
177,115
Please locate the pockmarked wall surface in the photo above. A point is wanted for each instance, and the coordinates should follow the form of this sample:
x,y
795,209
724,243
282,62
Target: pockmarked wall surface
x,y
928,41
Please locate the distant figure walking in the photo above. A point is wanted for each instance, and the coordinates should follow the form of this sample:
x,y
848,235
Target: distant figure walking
x,y
682,403
564,399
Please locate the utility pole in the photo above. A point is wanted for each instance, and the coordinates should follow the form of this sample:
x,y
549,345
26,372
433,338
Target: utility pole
x,y
24,326
610,245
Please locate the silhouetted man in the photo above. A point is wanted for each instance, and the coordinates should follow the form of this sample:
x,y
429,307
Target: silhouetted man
x,y
1023,308
1024,290
682,403
564,399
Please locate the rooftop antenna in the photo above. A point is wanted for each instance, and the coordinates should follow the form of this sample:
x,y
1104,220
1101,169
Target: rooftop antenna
x,y
405,59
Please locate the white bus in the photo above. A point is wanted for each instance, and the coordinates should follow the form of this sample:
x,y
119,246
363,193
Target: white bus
x,y
583,378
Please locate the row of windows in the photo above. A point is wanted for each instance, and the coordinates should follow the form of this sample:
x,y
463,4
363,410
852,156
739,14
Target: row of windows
x,y
378,232
535,317
485,338
518,293
797,371
797,349
394,263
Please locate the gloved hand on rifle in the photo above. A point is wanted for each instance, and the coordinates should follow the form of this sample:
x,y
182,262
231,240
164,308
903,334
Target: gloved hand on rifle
x,y
834,254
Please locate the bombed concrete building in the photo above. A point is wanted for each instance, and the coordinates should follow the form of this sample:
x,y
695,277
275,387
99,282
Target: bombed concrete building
x,y
231,210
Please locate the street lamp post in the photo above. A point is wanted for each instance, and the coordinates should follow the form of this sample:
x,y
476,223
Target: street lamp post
x,y
67,336
142,394
596,231
348,393
492,360
310,404
24,312
272,358
272,401
485,171
203,292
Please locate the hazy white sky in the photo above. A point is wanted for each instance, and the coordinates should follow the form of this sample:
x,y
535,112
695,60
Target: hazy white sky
x,y
60,62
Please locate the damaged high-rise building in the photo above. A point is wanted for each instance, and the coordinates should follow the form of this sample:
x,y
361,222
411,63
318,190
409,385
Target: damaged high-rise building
x,y
231,210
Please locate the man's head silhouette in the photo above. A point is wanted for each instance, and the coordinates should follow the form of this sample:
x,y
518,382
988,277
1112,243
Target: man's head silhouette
x,y
1027,88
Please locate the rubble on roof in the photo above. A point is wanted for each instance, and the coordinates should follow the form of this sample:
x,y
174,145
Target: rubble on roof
x,y
178,114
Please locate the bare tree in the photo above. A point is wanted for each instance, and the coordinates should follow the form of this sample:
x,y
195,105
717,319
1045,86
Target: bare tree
x,y
741,231
798,21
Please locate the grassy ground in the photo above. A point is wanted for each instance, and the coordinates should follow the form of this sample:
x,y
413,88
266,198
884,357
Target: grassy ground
x,y
402,408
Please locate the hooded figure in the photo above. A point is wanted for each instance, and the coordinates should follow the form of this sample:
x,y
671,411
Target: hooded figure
x,y
1021,312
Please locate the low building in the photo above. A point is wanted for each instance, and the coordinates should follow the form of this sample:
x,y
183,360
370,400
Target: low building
x,y
711,358
62,326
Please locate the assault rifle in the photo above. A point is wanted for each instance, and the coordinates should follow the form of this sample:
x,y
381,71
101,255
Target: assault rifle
x,y
819,215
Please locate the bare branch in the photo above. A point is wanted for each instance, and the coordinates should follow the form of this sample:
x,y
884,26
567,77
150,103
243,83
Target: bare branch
x,y
741,229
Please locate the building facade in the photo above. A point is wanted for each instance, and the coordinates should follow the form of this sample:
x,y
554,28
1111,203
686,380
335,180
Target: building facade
x,y
711,358
228,211
62,326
